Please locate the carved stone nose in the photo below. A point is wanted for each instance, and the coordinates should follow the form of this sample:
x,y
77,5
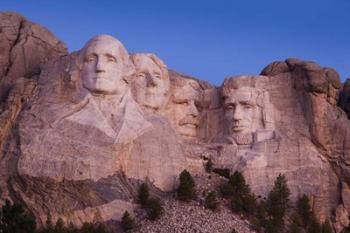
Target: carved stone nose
x,y
150,80
99,66
192,109
238,114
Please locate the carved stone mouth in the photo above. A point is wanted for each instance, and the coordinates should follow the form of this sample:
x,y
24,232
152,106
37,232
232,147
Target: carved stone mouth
x,y
96,78
238,128
189,122
190,125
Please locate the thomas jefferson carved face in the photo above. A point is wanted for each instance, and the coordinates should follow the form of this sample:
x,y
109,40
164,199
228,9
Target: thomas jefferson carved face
x,y
240,108
152,81
103,66
187,109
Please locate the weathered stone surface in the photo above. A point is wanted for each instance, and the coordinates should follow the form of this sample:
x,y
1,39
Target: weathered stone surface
x,y
25,46
275,68
79,139
342,218
344,97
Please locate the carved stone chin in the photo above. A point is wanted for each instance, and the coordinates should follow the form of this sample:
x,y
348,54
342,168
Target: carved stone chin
x,y
243,138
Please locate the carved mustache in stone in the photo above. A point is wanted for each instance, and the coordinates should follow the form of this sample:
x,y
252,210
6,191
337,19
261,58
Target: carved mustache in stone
x,y
189,120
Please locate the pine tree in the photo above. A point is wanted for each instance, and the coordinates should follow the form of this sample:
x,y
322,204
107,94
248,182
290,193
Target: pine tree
x,y
153,209
71,228
294,228
277,203
143,195
99,228
15,219
237,181
127,222
186,190
346,230
242,200
209,166
295,224
59,227
304,210
326,227
49,228
236,185
87,228
210,201
314,226
260,216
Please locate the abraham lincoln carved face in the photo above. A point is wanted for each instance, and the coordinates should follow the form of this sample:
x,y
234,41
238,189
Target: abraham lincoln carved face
x,y
240,107
248,110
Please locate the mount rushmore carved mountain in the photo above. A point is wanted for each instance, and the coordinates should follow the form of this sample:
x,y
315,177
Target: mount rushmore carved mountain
x,y
79,132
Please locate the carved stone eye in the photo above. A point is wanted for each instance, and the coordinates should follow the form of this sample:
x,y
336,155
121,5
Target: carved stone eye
x,y
247,106
229,107
90,58
157,76
198,106
111,58
141,75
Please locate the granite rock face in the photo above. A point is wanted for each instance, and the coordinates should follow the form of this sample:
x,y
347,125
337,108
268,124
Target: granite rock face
x,y
81,131
25,47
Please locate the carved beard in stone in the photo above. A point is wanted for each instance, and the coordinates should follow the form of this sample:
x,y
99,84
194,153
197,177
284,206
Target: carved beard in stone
x,y
103,66
152,81
187,109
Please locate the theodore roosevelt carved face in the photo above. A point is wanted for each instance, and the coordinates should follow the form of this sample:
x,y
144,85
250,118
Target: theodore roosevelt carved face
x,y
151,84
186,108
104,65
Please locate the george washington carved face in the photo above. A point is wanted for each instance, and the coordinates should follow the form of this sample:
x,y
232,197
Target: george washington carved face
x,y
104,65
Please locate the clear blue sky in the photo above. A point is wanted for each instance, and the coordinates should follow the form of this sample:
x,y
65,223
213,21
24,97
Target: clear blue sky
x,y
206,39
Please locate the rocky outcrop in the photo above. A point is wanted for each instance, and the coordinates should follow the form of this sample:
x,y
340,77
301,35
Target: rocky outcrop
x,y
327,125
25,46
344,97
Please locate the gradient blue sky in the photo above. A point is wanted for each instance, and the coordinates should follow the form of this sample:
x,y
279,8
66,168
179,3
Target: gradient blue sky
x,y
206,39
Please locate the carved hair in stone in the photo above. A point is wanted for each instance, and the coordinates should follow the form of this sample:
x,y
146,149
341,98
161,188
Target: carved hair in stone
x,y
247,109
151,83
105,66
